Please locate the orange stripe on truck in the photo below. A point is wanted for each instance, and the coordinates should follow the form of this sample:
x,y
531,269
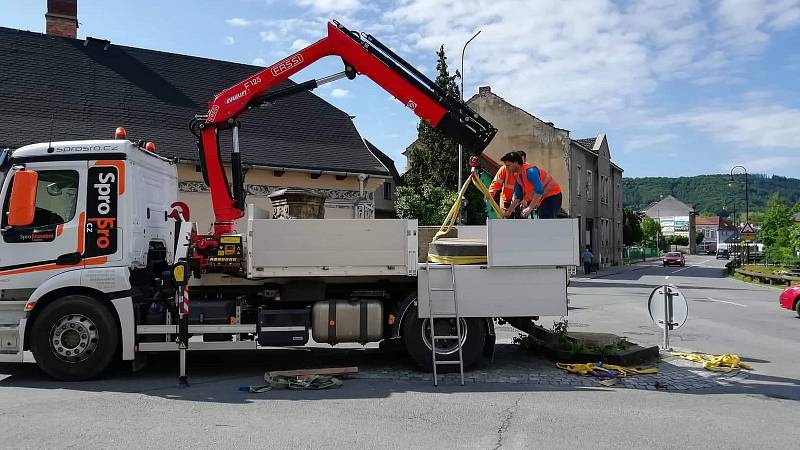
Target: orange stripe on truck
x,y
45,267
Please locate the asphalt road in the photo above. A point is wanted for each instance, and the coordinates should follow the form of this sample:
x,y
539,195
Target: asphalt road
x,y
725,315
146,410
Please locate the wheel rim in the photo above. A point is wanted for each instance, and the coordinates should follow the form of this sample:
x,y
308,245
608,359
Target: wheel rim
x,y
444,327
74,338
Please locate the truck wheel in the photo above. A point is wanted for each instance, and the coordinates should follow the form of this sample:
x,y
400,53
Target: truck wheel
x,y
74,338
417,337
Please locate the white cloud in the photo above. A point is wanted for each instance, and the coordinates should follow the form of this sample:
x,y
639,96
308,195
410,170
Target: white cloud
x,y
648,142
268,36
239,22
744,24
299,44
230,40
564,58
756,127
340,93
329,6
766,165
259,62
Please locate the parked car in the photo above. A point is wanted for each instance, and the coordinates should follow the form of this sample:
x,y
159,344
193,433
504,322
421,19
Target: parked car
x,y
673,259
723,254
790,298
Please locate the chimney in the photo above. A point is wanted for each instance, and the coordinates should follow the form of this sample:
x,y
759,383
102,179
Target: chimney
x,y
62,18
484,90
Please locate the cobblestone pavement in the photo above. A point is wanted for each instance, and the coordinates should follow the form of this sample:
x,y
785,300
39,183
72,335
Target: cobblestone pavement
x,y
513,365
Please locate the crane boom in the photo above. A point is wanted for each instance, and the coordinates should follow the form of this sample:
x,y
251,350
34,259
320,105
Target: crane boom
x,y
361,54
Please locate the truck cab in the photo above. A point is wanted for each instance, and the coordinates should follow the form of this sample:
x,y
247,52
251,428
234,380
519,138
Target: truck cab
x,y
81,221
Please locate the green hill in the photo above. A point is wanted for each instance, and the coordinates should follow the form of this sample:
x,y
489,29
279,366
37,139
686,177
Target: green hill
x,y
709,193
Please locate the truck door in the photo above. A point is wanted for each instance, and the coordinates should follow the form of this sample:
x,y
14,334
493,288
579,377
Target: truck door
x,y
54,242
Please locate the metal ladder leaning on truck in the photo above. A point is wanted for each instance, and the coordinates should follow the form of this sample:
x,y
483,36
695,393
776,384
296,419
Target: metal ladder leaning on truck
x,y
92,235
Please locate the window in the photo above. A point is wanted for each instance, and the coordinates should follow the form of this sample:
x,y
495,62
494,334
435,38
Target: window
x,y
56,198
578,184
387,190
603,198
589,185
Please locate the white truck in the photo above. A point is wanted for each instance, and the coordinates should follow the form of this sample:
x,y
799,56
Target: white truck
x,y
86,282
91,237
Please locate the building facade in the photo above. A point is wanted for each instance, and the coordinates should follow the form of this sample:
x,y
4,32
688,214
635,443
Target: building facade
x,y
676,219
715,231
591,183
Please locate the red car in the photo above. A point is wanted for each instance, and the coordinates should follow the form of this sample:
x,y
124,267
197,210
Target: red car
x,y
673,259
790,298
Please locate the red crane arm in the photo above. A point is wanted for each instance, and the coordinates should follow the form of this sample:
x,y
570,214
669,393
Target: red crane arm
x,y
361,54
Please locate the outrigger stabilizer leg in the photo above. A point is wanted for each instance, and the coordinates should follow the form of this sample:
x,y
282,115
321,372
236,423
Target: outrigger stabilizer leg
x,y
180,276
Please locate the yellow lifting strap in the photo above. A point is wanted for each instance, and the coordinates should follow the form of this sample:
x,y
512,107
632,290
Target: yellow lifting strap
x,y
604,370
715,363
450,220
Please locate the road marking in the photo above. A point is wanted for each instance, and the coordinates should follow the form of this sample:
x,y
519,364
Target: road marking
x,y
682,268
725,301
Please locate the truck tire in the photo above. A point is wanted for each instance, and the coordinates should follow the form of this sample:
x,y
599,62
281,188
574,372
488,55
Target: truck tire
x,y
416,335
74,338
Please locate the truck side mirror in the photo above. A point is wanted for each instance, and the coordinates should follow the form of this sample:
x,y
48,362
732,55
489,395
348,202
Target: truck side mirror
x,y
22,206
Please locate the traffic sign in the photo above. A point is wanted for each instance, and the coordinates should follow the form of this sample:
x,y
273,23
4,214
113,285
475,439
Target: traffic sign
x,y
748,228
676,306
668,309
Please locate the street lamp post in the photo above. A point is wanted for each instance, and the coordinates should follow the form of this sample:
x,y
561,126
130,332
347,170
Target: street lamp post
x,y
746,206
460,148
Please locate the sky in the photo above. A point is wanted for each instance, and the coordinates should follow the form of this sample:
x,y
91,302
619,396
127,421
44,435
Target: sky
x,y
680,87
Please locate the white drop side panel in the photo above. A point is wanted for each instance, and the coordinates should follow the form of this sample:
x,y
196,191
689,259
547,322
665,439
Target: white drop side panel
x,y
331,247
495,291
518,243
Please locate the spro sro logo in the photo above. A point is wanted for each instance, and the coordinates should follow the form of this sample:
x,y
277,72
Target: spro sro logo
x,y
101,211
282,66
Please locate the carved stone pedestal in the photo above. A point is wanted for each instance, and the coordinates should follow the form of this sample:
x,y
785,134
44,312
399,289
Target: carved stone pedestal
x,y
297,204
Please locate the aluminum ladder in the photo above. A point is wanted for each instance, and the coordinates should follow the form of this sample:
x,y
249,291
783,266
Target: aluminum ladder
x,y
432,316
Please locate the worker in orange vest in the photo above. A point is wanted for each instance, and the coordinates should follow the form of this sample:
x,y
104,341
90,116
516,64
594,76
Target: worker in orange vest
x,y
534,188
502,187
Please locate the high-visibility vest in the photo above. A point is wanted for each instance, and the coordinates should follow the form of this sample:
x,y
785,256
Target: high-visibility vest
x,y
550,186
504,183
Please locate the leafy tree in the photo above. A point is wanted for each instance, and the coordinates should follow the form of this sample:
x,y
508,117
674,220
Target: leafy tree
x,y
651,229
433,166
710,193
776,228
631,227
429,205
699,237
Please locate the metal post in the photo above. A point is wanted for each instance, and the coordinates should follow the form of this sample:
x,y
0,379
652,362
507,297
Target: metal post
x,y
182,299
460,148
746,207
667,319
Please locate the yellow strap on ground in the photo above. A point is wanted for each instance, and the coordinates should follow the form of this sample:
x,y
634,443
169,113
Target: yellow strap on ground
x,y
604,369
715,363
452,215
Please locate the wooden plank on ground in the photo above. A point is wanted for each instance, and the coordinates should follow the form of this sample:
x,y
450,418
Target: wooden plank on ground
x,y
324,371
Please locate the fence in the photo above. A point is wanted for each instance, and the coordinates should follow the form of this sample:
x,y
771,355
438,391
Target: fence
x,y
636,254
